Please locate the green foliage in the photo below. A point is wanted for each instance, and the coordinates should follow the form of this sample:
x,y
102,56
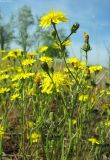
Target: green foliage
x,y
48,113
6,33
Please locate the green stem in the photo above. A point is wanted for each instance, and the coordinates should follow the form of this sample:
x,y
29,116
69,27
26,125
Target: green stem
x,y
86,58
54,26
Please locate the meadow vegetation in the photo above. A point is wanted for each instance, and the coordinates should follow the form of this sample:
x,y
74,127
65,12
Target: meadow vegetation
x,y
53,113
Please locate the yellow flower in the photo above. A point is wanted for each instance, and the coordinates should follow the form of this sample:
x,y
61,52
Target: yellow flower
x,y
15,96
43,49
30,124
105,92
35,137
107,123
95,69
26,62
4,76
82,65
93,141
52,17
108,92
74,61
83,98
2,132
22,76
46,59
60,81
74,121
13,53
65,43
3,90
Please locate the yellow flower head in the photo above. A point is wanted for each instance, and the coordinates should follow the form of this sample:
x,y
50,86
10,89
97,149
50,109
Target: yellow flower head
x,y
95,69
26,62
60,81
83,98
22,76
107,123
15,96
46,59
35,137
4,90
4,76
43,49
93,141
82,65
74,61
52,17
108,92
2,132
65,43
13,53
30,124
74,121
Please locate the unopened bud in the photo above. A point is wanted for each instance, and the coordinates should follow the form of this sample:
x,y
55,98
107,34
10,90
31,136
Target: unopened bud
x,y
86,47
45,67
75,27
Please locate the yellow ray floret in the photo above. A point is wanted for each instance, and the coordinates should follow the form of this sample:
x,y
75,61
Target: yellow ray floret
x,y
58,81
52,16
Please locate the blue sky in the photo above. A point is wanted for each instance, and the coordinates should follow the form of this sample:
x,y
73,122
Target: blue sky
x,y
93,16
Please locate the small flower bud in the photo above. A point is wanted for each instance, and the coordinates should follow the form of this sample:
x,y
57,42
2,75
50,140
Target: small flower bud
x,y
75,27
45,67
86,47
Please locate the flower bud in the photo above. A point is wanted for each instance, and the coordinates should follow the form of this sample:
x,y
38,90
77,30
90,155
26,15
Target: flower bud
x,y
45,67
75,27
86,47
